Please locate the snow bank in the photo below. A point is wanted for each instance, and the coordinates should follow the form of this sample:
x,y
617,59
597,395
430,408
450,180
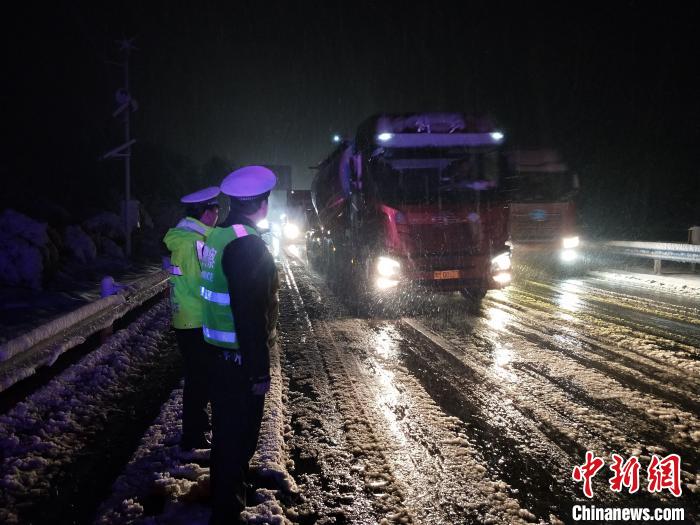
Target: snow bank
x,y
15,224
151,477
48,430
22,244
111,249
106,228
680,284
107,224
174,485
80,246
271,456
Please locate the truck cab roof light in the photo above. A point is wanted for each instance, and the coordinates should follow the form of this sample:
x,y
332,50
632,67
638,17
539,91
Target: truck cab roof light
x,y
437,140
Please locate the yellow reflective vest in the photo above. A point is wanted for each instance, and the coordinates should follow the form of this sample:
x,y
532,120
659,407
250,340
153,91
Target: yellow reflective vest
x,y
186,243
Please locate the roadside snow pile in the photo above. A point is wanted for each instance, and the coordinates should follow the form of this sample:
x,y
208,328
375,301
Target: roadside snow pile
x,y
105,223
271,457
45,433
23,243
163,484
679,284
160,477
106,228
30,250
80,246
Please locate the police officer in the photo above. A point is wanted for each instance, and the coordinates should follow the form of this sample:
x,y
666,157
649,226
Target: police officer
x,y
186,243
239,288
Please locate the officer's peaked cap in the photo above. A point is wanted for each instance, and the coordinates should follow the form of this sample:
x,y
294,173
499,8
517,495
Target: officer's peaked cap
x,y
205,196
249,182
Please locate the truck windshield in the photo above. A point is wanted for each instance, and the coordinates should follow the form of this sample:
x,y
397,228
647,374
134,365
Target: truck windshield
x,y
450,175
543,187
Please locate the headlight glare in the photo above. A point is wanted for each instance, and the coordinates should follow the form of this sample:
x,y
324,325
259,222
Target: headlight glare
x,y
568,256
383,283
570,242
388,267
501,262
291,231
502,278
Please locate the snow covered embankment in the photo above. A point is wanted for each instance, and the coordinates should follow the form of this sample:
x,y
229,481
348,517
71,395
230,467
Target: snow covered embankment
x,y
23,250
685,285
161,484
42,436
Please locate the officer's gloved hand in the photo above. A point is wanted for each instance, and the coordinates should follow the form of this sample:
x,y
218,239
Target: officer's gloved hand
x,y
261,385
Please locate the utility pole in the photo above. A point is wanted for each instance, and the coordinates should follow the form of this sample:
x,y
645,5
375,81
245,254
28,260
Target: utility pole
x,y
127,47
126,106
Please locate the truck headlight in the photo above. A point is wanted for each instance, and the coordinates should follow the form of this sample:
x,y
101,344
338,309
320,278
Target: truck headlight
x,y
387,267
291,231
570,243
568,256
264,224
501,263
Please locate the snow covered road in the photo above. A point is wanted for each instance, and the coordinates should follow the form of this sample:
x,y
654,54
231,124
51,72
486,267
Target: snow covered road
x,y
438,415
534,380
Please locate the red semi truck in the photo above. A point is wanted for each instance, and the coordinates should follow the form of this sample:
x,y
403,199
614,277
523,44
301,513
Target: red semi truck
x,y
542,212
413,200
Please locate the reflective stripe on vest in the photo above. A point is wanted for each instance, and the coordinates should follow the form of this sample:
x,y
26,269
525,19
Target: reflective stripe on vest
x,y
219,335
215,297
175,270
199,247
217,316
240,230
189,224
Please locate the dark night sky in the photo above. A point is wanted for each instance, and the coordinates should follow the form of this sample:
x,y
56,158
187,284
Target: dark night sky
x,y
614,88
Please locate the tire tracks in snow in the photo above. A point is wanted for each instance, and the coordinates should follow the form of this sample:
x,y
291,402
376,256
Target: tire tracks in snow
x,y
677,331
615,351
327,470
599,403
408,444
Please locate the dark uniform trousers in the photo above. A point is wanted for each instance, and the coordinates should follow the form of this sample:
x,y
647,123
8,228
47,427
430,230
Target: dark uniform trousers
x,y
195,396
236,419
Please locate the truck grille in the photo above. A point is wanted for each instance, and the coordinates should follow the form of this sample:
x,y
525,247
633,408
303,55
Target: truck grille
x,y
431,263
445,239
524,227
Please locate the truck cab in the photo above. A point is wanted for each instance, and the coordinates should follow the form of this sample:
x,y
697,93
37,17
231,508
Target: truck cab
x,y
414,201
543,223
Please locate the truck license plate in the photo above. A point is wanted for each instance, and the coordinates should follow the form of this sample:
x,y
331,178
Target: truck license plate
x,y
446,274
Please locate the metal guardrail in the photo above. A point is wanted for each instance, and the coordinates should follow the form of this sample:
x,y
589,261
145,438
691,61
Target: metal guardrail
x,y
658,251
20,357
